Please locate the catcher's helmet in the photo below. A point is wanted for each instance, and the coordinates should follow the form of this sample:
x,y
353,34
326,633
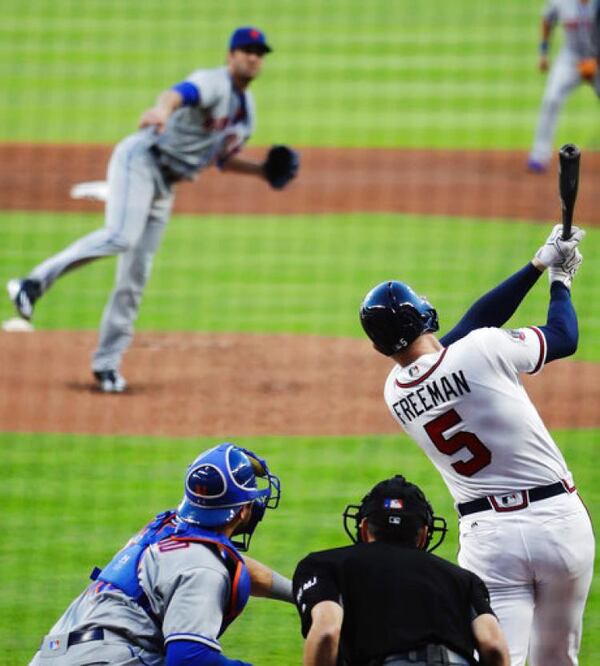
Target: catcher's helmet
x,y
221,481
393,316
396,509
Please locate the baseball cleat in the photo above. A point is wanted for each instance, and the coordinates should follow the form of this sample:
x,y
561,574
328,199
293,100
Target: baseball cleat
x,y
24,293
535,166
110,381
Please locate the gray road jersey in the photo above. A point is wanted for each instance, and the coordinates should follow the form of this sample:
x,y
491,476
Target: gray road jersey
x,y
188,588
577,20
223,120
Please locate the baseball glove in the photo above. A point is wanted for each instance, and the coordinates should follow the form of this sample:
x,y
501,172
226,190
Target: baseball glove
x,y
281,166
587,68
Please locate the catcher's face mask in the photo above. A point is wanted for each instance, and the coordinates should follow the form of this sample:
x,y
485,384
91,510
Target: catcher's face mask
x,y
223,480
397,509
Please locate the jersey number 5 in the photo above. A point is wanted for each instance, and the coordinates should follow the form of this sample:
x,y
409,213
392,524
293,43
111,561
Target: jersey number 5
x,y
481,455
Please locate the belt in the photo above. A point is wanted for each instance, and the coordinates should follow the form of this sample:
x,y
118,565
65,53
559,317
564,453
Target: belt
x,y
170,175
430,654
518,499
76,637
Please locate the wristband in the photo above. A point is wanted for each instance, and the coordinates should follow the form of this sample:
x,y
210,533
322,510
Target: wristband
x,y
544,47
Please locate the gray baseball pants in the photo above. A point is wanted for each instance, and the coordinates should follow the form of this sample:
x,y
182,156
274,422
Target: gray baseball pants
x,y
563,78
137,210
111,650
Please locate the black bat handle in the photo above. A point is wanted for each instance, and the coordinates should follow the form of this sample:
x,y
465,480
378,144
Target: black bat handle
x,y
568,182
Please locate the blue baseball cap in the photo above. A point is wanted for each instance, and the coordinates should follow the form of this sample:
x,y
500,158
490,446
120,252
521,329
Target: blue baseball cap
x,y
249,36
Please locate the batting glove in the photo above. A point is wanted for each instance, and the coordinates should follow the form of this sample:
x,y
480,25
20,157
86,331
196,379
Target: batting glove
x,y
566,271
556,250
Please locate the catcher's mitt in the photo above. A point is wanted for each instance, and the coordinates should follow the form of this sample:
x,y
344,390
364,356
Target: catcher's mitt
x,y
588,68
280,166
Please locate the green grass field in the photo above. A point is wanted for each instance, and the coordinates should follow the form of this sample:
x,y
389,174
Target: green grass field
x,y
70,502
344,73
290,274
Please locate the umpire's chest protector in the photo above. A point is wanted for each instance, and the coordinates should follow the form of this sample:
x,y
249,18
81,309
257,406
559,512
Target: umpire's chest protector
x,y
122,571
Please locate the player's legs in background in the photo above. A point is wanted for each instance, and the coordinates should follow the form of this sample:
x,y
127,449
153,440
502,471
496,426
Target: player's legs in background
x,y
133,271
562,79
131,189
492,546
564,556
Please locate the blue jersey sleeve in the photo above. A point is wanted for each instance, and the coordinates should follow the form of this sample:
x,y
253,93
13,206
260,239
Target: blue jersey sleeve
x,y
497,306
192,653
189,92
560,330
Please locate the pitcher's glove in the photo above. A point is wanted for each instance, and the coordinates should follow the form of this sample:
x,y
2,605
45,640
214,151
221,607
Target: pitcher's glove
x,y
587,68
280,166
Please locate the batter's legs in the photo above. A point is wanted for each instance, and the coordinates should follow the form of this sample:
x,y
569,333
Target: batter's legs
x,y
133,271
514,607
563,578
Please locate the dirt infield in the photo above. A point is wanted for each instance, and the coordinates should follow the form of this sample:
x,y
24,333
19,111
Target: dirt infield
x,y
230,385
233,385
463,183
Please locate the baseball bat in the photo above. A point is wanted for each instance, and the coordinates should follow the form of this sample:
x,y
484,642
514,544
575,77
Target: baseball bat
x,y
568,182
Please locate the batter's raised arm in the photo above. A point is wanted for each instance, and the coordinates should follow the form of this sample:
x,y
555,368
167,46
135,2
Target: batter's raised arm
x,y
497,306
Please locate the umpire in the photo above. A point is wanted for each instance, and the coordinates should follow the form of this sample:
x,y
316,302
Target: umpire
x,y
387,599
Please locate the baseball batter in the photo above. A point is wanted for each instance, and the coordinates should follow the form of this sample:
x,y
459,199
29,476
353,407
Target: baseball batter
x,y
523,527
576,63
201,121
172,591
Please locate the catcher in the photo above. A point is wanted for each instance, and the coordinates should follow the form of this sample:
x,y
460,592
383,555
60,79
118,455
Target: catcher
x,y
205,119
170,593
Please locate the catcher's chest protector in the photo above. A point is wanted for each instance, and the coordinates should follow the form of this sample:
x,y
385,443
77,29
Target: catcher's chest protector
x,y
121,571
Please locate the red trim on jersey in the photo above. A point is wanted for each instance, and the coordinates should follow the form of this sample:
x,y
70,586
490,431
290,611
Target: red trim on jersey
x,y
542,341
433,367
568,488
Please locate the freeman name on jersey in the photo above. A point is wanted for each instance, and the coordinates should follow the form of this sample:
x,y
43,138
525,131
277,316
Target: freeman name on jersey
x,y
430,395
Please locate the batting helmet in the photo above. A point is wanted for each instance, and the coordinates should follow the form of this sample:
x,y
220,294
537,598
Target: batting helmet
x,y
393,316
221,481
395,511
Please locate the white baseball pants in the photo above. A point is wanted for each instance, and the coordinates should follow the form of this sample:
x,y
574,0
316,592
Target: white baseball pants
x,y
537,563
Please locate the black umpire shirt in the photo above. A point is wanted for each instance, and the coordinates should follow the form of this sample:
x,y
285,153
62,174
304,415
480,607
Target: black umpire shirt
x,y
395,598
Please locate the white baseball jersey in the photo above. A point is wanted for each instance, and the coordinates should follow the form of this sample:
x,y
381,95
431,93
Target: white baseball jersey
x,y
577,19
467,409
216,127
187,586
